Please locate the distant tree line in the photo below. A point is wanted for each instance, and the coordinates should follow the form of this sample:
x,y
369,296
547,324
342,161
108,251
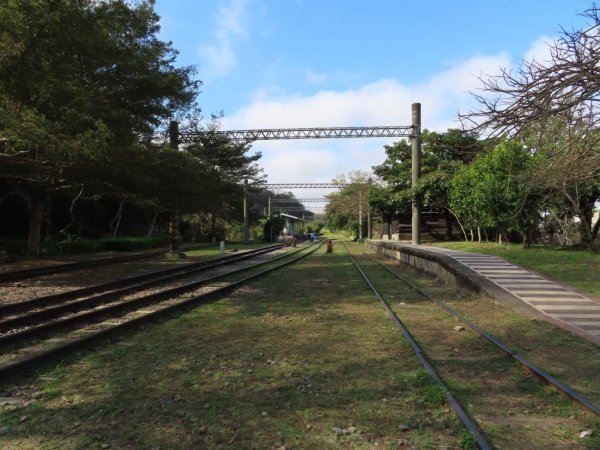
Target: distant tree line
x,y
87,93
535,177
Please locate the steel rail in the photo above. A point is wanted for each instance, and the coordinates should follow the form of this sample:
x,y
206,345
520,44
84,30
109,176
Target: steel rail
x,y
48,270
458,409
183,270
541,374
47,327
17,367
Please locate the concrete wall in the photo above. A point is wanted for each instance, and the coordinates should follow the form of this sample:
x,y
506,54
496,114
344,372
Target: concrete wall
x,y
449,271
438,265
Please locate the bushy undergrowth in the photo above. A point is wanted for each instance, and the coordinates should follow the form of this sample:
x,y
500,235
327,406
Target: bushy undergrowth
x,y
120,244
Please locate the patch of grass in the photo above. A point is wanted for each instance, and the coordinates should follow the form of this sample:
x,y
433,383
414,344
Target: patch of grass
x,y
282,361
574,267
214,250
514,409
468,441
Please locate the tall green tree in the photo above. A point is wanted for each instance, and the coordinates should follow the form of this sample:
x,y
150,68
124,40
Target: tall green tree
x,y
552,103
81,82
226,164
347,208
442,155
495,191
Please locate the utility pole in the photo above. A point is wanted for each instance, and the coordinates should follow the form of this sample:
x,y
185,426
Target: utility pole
x,y
173,212
416,172
360,234
369,218
246,231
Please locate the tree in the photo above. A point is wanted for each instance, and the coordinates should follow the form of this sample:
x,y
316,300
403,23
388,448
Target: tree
x,y
226,164
81,83
536,96
273,227
347,209
494,191
442,155
566,196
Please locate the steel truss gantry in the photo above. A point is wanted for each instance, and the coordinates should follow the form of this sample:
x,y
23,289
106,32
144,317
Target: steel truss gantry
x,y
303,133
301,185
411,131
293,208
300,200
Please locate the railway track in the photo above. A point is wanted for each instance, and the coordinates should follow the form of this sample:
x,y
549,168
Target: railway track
x,y
127,284
51,327
384,282
17,275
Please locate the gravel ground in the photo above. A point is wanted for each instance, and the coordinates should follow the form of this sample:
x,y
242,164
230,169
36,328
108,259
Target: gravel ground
x,y
22,290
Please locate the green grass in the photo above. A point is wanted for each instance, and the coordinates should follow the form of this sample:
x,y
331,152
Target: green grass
x,y
215,250
309,346
577,268
281,362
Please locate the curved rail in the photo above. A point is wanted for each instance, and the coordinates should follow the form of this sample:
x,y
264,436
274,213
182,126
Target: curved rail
x,y
581,400
462,415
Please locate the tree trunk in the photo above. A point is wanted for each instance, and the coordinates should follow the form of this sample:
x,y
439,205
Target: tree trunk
x,y
460,225
47,217
173,230
36,213
116,222
72,219
478,233
213,222
449,229
596,229
585,228
153,224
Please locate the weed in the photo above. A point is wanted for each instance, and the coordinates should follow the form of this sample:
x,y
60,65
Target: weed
x,y
468,441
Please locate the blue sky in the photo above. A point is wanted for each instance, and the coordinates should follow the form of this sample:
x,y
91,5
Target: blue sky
x,y
303,63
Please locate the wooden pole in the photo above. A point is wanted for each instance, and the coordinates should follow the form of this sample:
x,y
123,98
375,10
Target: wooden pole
x,y
269,213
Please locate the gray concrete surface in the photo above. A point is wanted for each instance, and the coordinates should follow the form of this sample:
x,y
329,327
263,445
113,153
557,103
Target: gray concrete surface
x,y
526,292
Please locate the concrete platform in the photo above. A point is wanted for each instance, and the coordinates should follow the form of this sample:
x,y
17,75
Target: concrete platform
x,y
523,290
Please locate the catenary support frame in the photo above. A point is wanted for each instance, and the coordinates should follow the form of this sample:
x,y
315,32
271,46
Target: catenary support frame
x,y
412,131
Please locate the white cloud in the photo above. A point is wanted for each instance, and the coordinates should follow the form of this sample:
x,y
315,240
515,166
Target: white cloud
x,y
540,50
382,102
316,78
219,58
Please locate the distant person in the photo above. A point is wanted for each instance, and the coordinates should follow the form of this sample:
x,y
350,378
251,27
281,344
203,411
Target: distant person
x,y
313,236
